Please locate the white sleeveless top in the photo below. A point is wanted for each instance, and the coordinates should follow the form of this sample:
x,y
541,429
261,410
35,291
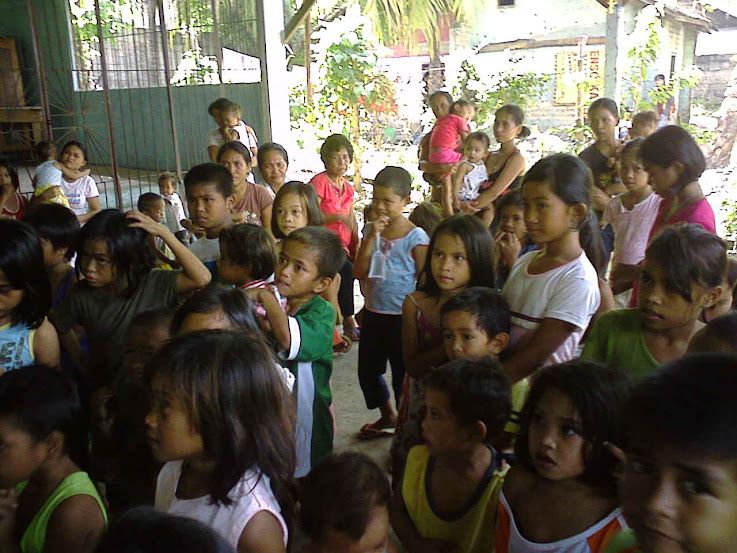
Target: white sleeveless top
x,y
469,190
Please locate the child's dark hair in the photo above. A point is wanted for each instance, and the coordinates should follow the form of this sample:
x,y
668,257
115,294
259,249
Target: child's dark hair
x,y
487,306
130,252
148,201
688,404
724,330
479,136
426,216
333,144
632,147
145,530
210,173
234,303
688,254
597,393
235,146
442,93
76,143
55,223
325,244
396,179
570,179
15,181
517,115
271,147
41,400
477,391
238,404
168,176
673,144
511,198
479,246
44,149
217,105
22,262
250,246
339,494
460,104
232,107
310,203
605,103
649,118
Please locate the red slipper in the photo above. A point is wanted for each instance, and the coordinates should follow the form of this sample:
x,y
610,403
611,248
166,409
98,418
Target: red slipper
x,y
368,432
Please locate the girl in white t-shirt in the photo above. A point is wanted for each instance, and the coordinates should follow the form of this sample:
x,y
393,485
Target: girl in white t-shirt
x,y
84,198
221,421
553,292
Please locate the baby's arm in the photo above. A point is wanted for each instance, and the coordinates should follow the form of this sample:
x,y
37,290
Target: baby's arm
x,y
417,363
72,174
46,345
75,525
547,338
262,534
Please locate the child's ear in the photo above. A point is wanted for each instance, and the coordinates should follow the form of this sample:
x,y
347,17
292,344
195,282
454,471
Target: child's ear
x,y
499,343
578,214
713,295
230,201
478,431
54,443
322,284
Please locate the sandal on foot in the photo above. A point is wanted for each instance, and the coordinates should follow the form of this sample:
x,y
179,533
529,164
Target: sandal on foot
x,y
353,333
368,432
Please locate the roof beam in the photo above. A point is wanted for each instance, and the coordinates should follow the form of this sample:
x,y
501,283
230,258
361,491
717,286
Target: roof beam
x,y
297,20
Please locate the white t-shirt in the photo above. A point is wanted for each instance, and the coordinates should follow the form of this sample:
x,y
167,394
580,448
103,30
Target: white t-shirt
x,y
207,250
250,495
173,212
631,227
568,293
78,193
46,173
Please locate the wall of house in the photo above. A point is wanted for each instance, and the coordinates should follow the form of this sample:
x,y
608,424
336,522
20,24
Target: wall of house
x,y
716,68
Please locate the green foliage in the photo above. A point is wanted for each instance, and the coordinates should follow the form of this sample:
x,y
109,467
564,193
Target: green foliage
x,y
730,220
700,134
575,137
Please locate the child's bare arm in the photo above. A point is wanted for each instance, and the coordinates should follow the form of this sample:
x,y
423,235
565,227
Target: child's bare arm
x,y
463,170
278,319
405,530
262,534
417,363
71,173
46,345
75,525
547,338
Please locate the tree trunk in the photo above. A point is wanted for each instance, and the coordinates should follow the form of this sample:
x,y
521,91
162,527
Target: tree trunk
x,y
724,150
357,150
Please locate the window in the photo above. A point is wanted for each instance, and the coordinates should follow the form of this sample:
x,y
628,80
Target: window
x,y
504,3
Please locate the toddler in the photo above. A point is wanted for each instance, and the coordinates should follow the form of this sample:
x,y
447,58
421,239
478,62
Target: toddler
x,y
227,116
154,206
47,180
174,210
471,172
644,123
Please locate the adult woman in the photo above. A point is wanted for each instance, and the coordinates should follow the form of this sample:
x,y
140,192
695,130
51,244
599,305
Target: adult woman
x,y
83,195
252,203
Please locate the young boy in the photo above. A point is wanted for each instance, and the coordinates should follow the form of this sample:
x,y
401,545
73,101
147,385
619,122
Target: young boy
x,y
644,124
47,180
309,260
679,484
209,191
449,495
227,116
174,210
154,206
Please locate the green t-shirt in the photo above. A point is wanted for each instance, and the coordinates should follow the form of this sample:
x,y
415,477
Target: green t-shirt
x,y
617,340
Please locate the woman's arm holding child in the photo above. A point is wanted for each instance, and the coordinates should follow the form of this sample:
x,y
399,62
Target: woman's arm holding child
x,y
416,363
46,345
262,534
75,525
514,167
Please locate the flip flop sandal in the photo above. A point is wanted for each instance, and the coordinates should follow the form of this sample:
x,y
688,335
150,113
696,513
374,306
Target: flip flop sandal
x,y
353,333
368,433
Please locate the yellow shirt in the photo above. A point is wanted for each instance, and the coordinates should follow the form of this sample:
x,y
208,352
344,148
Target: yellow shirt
x,y
472,528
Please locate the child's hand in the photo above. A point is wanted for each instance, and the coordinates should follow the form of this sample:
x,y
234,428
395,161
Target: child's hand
x,y
509,247
141,220
379,223
469,207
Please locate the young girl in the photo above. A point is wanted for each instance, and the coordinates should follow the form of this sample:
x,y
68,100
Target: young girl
x,y
554,292
391,255
440,103
251,203
683,273
507,165
273,163
336,204
82,193
569,416
120,282
471,174
511,239
247,256
26,336
12,204
221,421
460,255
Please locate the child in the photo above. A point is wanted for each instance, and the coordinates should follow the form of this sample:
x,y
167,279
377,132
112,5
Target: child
x,y
345,506
683,273
58,507
251,202
12,204
449,495
507,165
471,173
427,216
460,255
273,163
512,239
247,256
336,204
26,336
174,210
57,228
448,135
209,191
227,116
631,215
220,420
82,193
439,102
679,484
296,206
564,468
644,123
154,206
726,302
554,292
391,255
717,336
47,180
309,260
120,282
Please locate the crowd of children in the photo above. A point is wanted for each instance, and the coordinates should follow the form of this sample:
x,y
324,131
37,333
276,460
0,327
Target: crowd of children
x,y
181,359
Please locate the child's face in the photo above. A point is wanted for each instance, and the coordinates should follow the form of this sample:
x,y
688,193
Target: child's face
x,y
296,272
442,431
10,298
602,123
556,446
97,265
440,105
208,208
449,263
156,211
143,343
662,307
273,168
214,320
512,220
72,157
167,187
5,178
467,112
663,179
632,172
642,130
387,203
475,151
375,538
230,272
505,128
291,214
337,163
170,433
463,338
20,454
679,501
547,217
236,165
230,118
